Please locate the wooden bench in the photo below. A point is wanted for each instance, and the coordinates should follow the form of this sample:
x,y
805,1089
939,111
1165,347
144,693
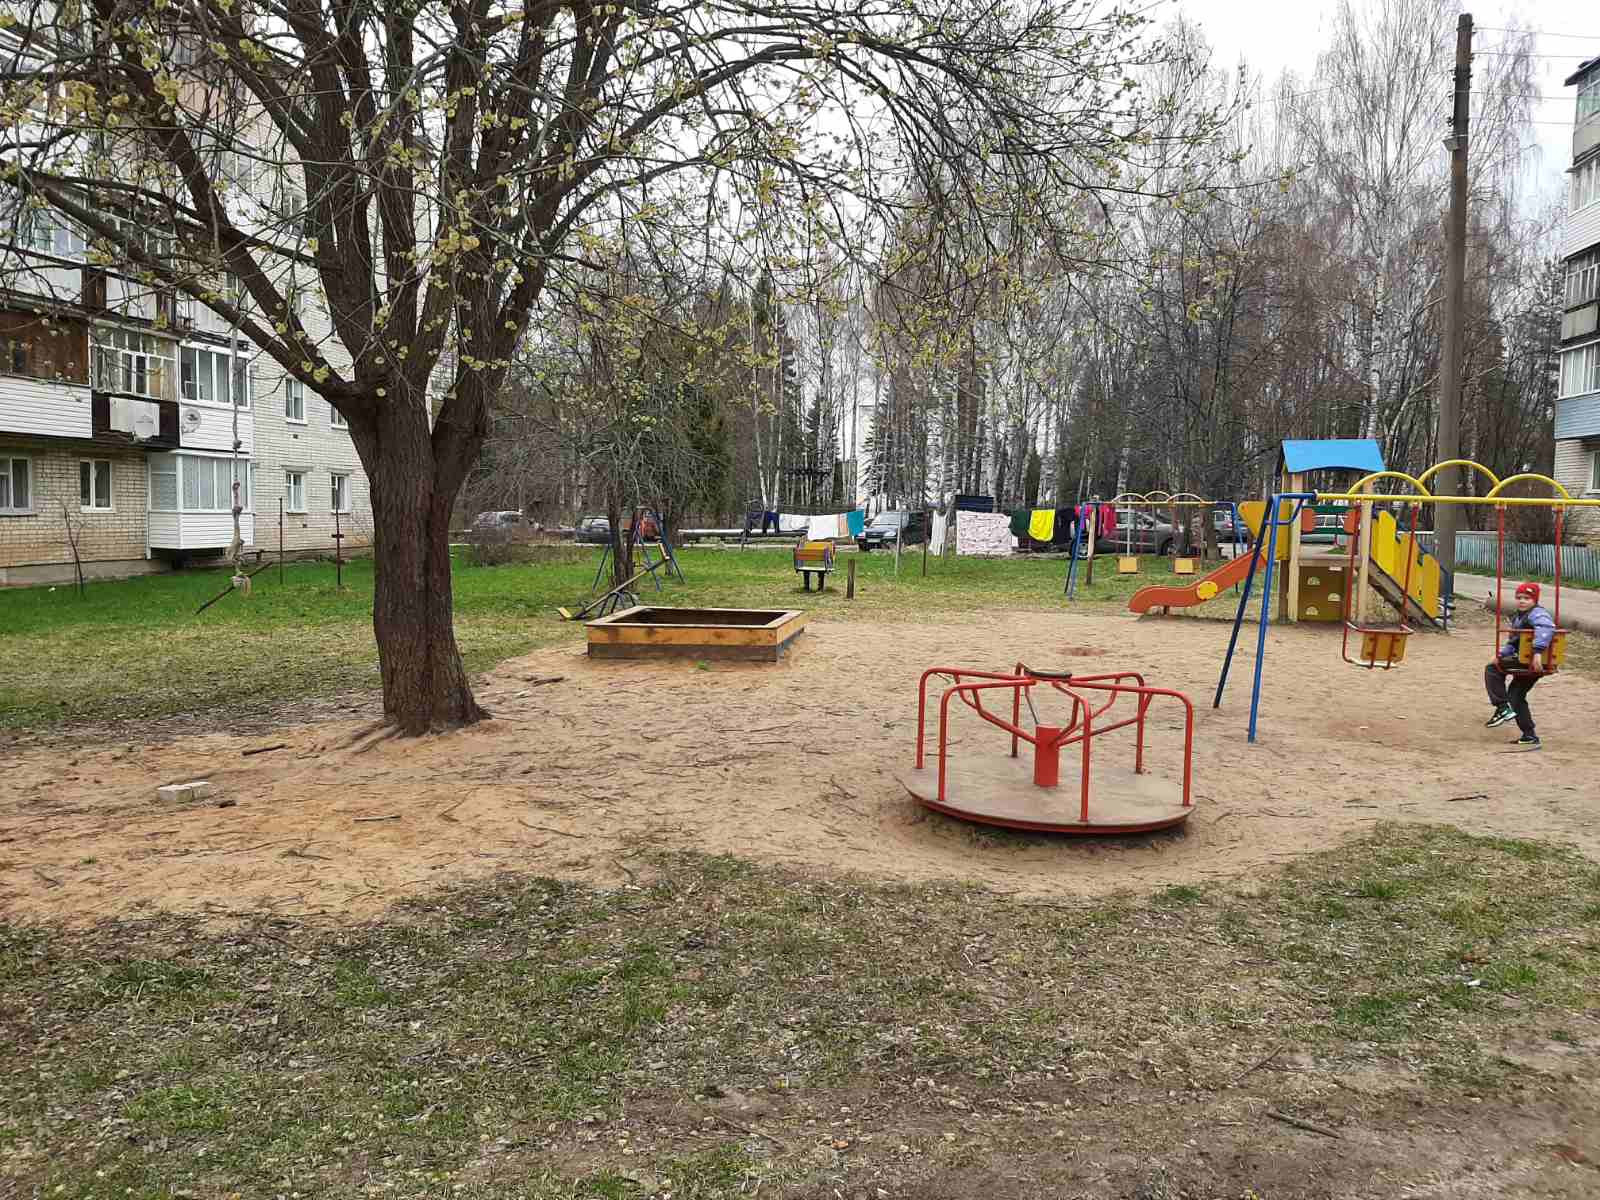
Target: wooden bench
x,y
813,558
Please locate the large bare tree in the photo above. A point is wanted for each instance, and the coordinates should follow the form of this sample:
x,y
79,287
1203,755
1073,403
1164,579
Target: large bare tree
x,y
434,164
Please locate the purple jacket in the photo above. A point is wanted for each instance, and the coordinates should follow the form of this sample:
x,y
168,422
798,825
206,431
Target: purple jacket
x,y
1536,619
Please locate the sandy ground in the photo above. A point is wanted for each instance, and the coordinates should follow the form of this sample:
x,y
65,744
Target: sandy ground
x,y
794,763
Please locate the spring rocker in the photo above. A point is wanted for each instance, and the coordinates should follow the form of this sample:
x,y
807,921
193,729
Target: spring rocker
x,y
998,786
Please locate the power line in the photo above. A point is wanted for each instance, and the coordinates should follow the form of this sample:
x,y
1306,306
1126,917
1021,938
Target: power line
x,y
1576,37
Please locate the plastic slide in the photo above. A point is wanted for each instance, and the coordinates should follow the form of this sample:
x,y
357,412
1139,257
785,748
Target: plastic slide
x,y
1160,595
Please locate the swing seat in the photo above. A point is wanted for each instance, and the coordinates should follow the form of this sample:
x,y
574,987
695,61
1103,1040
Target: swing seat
x,y
1553,657
1381,646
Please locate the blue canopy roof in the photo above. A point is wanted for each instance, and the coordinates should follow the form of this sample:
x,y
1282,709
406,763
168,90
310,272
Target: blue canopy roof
x,y
1336,454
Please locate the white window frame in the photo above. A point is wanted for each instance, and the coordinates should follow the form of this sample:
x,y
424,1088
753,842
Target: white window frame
x,y
133,359
1582,278
335,480
219,470
336,418
166,464
1580,371
1585,186
1594,471
94,504
215,363
294,491
294,400
8,468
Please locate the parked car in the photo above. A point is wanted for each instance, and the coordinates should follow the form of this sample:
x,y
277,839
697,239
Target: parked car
x,y
881,531
1137,533
592,530
507,521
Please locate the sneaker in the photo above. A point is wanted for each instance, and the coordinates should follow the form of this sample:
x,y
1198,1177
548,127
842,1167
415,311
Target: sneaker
x,y
1528,741
1500,716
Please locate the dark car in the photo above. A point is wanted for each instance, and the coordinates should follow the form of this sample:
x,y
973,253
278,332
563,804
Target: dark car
x,y
1137,533
592,530
910,527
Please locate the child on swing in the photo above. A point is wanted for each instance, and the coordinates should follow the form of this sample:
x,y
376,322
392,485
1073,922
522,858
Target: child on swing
x,y
1514,704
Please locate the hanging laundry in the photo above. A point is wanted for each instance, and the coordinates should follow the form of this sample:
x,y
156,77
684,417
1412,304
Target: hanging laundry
x,y
793,522
855,522
1108,519
1042,524
1019,523
938,532
823,528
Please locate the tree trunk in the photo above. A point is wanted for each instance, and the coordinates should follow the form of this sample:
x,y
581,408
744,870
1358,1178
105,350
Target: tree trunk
x,y
425,685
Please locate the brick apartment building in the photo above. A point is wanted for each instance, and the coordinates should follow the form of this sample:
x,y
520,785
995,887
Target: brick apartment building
x,y
1577,430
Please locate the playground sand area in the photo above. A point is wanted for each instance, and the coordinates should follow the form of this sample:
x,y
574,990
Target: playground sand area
x,y
591,766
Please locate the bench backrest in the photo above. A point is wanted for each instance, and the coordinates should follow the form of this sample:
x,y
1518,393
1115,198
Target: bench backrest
x,y
813,556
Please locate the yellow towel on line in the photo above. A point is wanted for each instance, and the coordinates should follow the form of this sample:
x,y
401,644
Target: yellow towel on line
x,y
1042,524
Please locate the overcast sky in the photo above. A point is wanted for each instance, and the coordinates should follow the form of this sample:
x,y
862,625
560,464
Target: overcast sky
x,y
1289,34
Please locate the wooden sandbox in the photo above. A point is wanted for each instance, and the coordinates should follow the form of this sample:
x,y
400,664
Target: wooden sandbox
x,y
748,634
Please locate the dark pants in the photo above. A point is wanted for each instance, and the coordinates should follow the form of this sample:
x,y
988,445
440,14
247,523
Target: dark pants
x,y
1494,679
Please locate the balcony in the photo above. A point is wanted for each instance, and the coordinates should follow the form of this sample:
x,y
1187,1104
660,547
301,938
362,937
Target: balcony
x,y
44,408
1580,322
1578,417
1585,137
152,424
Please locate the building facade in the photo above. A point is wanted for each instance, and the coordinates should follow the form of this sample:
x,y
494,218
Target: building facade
x,y
1577,430
127,414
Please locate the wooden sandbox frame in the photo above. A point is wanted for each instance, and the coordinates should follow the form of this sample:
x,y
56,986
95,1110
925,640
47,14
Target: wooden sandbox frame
x,y
653,631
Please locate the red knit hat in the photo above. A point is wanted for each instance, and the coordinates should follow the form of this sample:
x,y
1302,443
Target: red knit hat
x,y
1530,590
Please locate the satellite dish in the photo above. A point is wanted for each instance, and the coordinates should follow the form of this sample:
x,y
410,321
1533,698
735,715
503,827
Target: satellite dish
x,y
144,426
191,419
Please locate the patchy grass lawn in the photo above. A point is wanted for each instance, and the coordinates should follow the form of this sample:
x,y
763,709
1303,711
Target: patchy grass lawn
x,y
724,1030
136,648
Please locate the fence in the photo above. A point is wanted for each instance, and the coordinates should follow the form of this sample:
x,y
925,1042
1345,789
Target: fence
x,y
1477,551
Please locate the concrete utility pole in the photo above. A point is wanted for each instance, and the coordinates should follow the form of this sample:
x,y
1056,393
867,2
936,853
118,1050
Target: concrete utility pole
x,y
1446,517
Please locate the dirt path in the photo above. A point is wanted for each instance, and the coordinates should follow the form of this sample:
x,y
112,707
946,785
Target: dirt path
x,y
794,763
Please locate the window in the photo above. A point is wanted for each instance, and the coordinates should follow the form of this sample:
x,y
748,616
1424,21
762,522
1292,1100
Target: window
x,y
294,491
208,484
163,483
340,493
36,229
1589,97
1583,278
135,364
294,401
336,418
41,347
1594,464
94,485
1586,183
16,480
1580,370
203,376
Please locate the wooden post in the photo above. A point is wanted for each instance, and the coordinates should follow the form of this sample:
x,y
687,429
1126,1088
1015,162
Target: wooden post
x,y
926,538
897,533
1363,578
850,578
280,539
